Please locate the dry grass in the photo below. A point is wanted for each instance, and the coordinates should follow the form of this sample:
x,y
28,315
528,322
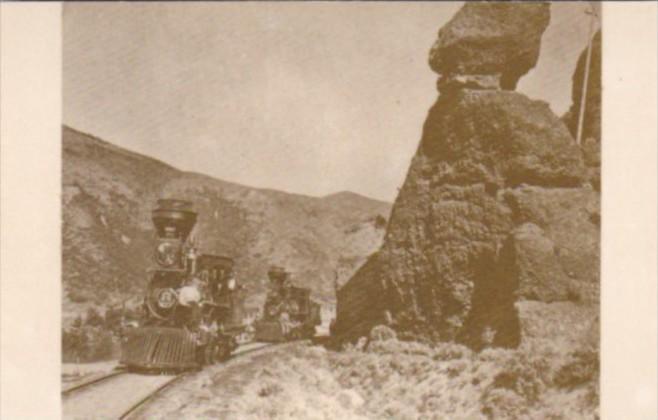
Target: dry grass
x,y
391,379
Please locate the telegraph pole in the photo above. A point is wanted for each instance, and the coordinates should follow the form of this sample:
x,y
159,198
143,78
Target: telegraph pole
x,y
581,115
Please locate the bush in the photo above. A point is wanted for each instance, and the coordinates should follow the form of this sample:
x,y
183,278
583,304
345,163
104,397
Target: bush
x,y
86,344
113,318
451,351
527,375
581,369
94,318
503,404
269,389
382,333
102,347
75,345
77,296
93,338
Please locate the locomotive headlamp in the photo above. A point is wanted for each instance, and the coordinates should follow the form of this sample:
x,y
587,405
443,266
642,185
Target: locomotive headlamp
x,y
166,298
166,254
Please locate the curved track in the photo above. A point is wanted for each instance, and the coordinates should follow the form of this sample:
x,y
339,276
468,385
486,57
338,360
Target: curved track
x,y
95,380
119,394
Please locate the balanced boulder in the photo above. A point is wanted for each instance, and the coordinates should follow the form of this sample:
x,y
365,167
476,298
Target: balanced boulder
x,y
491,38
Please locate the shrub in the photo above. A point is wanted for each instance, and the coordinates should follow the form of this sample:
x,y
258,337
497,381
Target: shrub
x,y
527,375
503,404
495,354
88,344
450,351
397,347
269,389
582,368
77,322
94,318
77,296
75,345
112,320
455,368
382,333
102,347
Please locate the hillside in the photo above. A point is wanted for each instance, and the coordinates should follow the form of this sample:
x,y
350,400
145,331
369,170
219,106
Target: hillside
x,y
108,193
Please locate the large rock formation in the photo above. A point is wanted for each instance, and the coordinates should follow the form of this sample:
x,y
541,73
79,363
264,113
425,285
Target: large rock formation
x,y
495,209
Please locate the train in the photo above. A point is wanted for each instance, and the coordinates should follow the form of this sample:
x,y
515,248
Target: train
x,y
193,306
289,312
191,303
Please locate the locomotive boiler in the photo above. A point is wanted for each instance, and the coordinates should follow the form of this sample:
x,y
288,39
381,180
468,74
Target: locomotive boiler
x,y
289,313
191,300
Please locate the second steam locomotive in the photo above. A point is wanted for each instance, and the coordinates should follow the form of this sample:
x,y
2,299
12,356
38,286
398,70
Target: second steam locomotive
x,y
289,312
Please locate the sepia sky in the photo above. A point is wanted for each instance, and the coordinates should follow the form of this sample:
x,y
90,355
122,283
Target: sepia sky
x,y
310,98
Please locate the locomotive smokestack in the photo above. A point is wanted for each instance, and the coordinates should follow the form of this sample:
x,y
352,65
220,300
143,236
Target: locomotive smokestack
x,y
174,219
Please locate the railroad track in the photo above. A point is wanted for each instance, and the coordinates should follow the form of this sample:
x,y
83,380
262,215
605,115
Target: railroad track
x,y
97,379
120,394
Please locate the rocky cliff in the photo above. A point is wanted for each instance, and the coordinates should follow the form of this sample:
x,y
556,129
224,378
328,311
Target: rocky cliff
x,y
109,192
496,215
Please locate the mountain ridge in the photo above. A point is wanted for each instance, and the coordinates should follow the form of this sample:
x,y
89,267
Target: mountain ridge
x,y
132,153
108,193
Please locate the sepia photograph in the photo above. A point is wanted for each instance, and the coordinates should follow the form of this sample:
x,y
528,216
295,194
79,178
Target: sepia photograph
x,y
332,210
270,212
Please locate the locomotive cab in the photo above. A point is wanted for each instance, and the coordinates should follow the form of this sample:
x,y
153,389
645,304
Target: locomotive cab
x,y
216,272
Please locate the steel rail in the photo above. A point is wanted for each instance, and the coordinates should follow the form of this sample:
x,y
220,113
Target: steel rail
x,y
135,407
76,388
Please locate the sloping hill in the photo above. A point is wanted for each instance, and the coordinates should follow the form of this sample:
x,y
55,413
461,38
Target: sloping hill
x,y
108,193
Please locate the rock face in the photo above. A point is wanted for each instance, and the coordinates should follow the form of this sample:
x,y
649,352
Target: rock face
x,y
491,38
499,138
495,209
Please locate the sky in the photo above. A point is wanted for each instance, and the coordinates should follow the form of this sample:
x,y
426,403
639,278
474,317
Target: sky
x,y
311,98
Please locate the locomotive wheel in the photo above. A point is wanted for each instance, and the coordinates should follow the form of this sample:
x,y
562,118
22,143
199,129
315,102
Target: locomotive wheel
x,y
295,334
223,352
208,353
309,331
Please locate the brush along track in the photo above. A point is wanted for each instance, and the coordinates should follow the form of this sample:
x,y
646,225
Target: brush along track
x,y
192,397
120,394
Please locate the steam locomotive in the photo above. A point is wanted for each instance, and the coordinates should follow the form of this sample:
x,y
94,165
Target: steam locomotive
x,y
191,305
289,313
